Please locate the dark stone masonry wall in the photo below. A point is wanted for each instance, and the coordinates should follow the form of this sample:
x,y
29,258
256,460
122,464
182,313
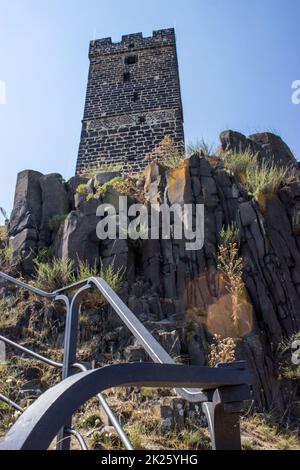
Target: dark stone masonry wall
x,y
133,100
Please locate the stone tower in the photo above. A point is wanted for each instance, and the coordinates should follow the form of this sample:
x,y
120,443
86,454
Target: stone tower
x,y
133,100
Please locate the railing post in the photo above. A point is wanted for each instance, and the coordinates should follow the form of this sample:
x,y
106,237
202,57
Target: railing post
x,y
224,426
223,413
70,348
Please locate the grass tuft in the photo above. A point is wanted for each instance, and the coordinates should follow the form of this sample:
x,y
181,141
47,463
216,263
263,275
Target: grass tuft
x,y
264,180
100,168
239,163
230,234
200,146
53,275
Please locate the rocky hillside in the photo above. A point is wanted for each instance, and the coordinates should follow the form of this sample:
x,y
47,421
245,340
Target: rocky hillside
x,y
244,284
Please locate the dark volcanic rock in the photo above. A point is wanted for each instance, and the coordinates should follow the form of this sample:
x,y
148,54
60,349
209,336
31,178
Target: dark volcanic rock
x,y
180,294
273,149
55,202
27,211
269,147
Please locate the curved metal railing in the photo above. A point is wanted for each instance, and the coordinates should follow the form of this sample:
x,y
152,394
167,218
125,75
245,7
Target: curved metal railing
x,y
150,344
38,425
216,401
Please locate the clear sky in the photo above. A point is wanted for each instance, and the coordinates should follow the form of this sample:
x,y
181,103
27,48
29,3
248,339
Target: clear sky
x,y
237,58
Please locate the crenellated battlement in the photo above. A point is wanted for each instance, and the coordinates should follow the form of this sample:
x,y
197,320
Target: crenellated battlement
x,y
133,100
136,41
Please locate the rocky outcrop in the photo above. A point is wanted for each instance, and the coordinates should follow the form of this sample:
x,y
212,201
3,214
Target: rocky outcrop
x,y
177,293
38,198
55,201
269,147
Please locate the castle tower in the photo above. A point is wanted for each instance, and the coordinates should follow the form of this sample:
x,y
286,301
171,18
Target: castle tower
x,y
133,100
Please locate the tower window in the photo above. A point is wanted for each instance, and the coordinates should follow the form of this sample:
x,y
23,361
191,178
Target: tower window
x,y
126,77
142,119
131,45
136,97
131,59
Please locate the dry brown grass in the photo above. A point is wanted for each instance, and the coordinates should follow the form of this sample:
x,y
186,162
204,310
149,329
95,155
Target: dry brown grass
x,y
231,266
166,154
221,351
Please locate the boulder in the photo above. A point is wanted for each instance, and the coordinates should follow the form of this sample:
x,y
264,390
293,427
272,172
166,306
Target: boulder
x,y
27,209
55,201
269,147
232,141
72,185
77,239
273,149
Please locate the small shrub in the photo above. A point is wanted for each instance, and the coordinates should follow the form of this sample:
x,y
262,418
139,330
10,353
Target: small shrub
x,y
239,163
135,436
289,371
264,180
93,299
44,255
6,255
118,183
111,276
230,234
85,271
100,168
3,233
8,262
231,266
53,275
166,154
81,189
286,368
56,222
221,351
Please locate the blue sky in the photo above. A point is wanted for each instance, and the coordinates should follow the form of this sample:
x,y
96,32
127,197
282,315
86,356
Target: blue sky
x,y
237,61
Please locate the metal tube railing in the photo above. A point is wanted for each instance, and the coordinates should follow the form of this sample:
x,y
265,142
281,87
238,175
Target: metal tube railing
x,y
78,437
152,347
37,356
144,337
11,403
112,418
81,367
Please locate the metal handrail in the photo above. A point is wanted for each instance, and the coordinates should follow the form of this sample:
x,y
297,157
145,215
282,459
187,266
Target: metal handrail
x,y
35,290
11,403
144,337
78,437
212,397
102,401
112,418
37,426
37,356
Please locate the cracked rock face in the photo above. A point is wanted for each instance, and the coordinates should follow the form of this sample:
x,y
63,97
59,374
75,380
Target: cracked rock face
x,y
179,294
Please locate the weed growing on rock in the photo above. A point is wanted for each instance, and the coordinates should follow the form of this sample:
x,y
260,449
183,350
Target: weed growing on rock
x,y
264,180
100,168
53,275
231,267
166,154
221,351
230,234
200,147
239,163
